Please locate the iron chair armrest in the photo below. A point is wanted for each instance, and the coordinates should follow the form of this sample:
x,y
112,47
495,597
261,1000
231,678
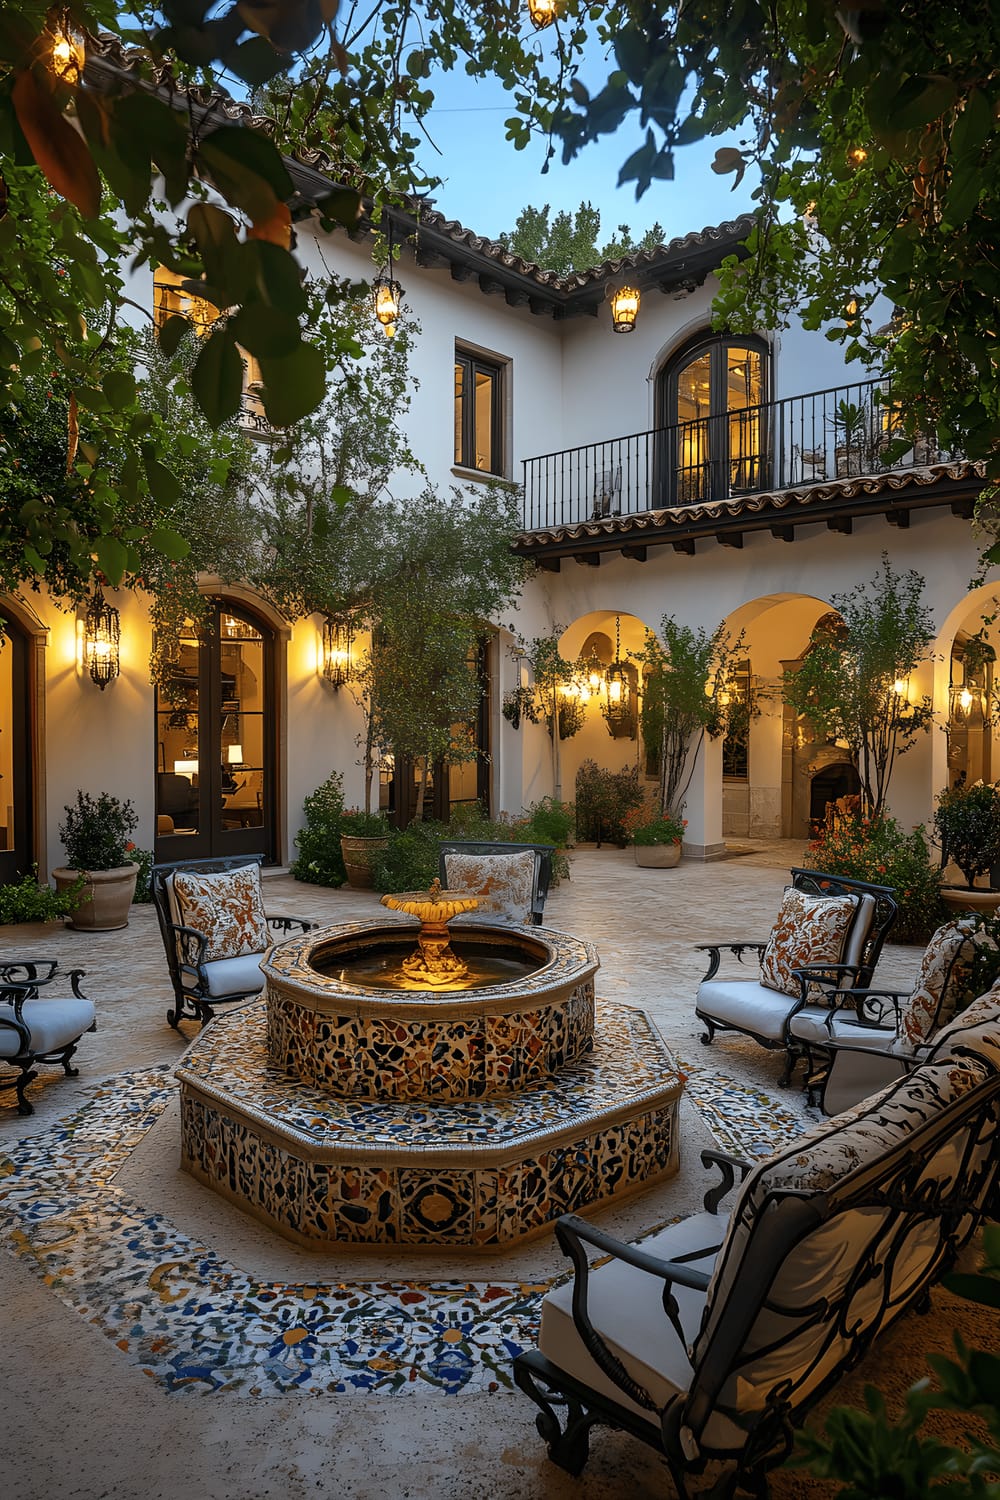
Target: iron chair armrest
x,y
30,985
714,950
27,970
573,1235
870,1012
15,995
829,978
728,1166
282,923
192,944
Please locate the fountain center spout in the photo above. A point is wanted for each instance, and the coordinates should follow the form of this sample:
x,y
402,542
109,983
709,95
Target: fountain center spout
x,y
433,964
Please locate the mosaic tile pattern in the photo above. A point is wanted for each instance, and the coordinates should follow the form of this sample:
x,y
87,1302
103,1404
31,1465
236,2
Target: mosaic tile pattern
x,y
198,1325
368,1044
322,1170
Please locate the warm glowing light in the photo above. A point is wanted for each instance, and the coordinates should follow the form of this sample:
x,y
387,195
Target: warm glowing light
x,y
387,299
725,698
899,686
624,308
857,156
335,651
101,637
234,755
965,700
67,56
542,13
185,768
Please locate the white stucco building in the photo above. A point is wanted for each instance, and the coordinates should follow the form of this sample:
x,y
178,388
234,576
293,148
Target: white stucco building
x,y
687,474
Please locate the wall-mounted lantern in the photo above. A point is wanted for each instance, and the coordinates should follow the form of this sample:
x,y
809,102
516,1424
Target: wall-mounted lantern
x,y
67,55
624,302
101,637
335,651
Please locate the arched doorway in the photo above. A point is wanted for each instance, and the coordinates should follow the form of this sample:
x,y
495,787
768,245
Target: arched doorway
x,y
216,741
18,849
710,399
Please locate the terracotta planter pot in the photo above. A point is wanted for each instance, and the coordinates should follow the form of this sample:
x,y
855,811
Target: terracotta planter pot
x,y
105,898
359,854
962,898
657,856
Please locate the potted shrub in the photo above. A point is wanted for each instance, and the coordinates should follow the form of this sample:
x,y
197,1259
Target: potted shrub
x,y
656,839
96,837
967,819
362,836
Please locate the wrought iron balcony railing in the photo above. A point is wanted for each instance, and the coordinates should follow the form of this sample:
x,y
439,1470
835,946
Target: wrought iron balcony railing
x,y
804,440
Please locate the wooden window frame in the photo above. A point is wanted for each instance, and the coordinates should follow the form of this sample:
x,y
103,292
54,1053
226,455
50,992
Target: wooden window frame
x,y
474,363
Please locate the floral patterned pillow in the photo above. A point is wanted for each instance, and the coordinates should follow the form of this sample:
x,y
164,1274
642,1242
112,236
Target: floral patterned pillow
x,y
809,930
502,883
227,907
946,963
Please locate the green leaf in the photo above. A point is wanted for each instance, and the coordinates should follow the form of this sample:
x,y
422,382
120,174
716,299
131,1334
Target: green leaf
x,y
276,275
215,235
119,387
217,378
973,125
141,118
256,61
921,100
342,206
112,558
247,168
164,485
293,386
170,543
171,333
266,332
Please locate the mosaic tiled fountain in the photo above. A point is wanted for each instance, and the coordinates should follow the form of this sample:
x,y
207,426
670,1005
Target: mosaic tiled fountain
x,y
371,1100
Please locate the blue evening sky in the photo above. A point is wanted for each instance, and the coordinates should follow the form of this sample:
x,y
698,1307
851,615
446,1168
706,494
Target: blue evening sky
x,y
486,182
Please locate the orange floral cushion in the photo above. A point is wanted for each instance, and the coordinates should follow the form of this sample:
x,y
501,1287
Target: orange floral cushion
x,y
227,907
809,930
502,883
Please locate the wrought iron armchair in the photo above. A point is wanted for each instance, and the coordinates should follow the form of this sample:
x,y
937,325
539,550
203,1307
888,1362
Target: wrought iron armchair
x,y
36,1024
762,1012
856,1040
541,878
712,1342
214,959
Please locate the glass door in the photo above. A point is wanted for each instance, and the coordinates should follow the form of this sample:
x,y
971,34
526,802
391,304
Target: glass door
x,y
17,853
215,743
710,419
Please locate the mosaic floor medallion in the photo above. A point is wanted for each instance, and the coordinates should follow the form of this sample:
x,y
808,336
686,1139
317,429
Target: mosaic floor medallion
x,y
196,1323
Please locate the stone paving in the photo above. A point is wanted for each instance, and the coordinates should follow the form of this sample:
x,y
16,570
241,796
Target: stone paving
x,y
102,1234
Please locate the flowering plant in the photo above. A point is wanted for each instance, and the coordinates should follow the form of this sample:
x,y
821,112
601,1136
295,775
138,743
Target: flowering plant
x,y
95,832
654,828
877,850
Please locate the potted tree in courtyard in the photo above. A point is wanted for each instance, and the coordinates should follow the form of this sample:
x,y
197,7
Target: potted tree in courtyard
x,y
967,819
852,685
96,837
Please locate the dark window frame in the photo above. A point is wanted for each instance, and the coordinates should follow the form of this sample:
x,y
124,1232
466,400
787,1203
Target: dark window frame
x,y
473,364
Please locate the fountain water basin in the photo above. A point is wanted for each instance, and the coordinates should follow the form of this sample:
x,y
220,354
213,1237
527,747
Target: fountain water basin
x,y
342,1113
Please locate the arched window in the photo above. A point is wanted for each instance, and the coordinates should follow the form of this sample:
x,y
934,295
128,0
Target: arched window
x,y
710,399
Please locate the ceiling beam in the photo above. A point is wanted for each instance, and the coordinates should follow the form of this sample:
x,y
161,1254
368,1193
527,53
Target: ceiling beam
x,y
843,524
900,518
636,554
964,508
549,564
684,544
588,559
730,539
783,533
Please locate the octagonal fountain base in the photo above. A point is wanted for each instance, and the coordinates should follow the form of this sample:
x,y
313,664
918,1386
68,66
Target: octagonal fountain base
x,y
328,1172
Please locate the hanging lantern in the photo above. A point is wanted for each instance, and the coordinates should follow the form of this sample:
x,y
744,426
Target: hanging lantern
x,y
387,299
617,685
542,13
335,651
67,56
624,308
101,635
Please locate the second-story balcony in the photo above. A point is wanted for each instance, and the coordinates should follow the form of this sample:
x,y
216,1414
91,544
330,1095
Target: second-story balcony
x,y
813,458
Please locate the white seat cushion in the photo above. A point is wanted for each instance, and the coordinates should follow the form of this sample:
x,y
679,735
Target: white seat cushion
x,y
53,1024
747,1005
230,976
809,1025
626,1305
